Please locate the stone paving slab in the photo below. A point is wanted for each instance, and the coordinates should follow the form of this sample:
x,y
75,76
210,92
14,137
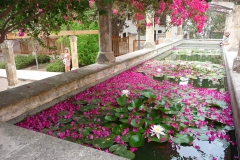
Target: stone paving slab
x,y
31,75
21,144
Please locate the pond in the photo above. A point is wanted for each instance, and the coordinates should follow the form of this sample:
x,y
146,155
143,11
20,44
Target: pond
x,y
167,109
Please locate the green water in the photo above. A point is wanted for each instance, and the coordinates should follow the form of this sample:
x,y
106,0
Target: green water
x,y
171,151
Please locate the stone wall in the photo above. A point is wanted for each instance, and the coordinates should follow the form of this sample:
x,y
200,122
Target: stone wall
x,y
19,102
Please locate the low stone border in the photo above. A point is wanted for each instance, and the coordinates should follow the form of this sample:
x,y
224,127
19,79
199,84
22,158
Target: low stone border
x,y
19,102
233,81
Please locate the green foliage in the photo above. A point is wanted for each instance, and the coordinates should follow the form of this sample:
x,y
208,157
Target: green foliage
x,y
87,49
56,66
87,45
2,65
23,61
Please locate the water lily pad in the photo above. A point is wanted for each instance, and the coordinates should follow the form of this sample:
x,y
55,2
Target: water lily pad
x,y
111,118
123,109
102,143
117,147
182,139
62,113
125,154
137,140
126,138
135,104
121,115
87,108
62,120
122,100
134,123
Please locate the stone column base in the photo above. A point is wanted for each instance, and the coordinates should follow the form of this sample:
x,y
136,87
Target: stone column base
x,y
167,40
106,57
236,64
149,45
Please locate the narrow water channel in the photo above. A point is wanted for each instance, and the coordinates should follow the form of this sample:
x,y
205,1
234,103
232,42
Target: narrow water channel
x,y
169,108
216,150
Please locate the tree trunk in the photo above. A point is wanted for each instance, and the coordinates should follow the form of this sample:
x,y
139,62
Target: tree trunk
x,y
2,36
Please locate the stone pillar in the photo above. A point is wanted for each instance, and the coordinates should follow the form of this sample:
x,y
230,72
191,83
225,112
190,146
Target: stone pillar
x,y
132,37
150,43
236,61
161,37
169,31
179,32
8,56
105,54
233,27
74,53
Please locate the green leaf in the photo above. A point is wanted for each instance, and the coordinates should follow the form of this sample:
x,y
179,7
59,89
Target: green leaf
x,y
122,100
123,109
123,120
62,113
111,118
62,120
148,94
163,138
135,124
137,140
126,138
95,101
125,154
79,102
65,127
121,115
182,138
68,138
87,108
86,131
102,143
135,104
109,112
117,147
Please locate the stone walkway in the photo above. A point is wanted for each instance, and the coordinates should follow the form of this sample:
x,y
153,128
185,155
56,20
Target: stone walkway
x,y
25,76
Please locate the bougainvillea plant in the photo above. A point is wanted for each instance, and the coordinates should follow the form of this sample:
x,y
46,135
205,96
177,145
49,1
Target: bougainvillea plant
x,y
43,16
130,109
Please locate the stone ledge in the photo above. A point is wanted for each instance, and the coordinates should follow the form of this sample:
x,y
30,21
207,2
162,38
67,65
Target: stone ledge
x,y
233,80
19,102
21,144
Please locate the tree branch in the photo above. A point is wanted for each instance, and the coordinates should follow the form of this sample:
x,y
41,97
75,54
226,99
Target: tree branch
x,y
24,21
5,13
15,14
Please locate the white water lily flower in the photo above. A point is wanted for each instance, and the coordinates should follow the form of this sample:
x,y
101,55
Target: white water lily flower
x,y
209,68
197,66
125,92
157,130
159,70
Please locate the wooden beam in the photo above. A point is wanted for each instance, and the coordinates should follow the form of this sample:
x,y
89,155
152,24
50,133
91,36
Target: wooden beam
x,y
61,33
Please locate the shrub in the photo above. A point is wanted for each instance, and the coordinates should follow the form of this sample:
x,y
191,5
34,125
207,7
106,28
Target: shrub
x,y
23,61
43,58
2,65
87,49
56,66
